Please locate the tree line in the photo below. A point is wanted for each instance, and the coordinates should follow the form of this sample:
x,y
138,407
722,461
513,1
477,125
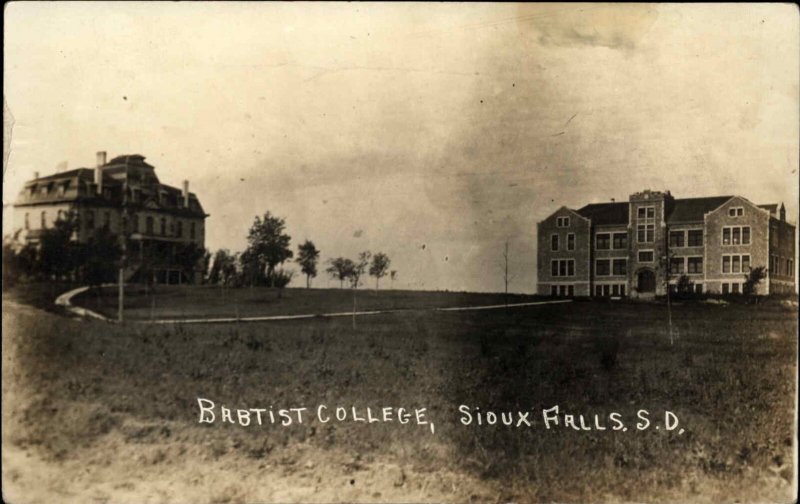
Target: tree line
x,y
59,256
268,250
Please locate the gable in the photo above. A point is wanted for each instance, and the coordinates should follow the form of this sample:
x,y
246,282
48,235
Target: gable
x,y
739,201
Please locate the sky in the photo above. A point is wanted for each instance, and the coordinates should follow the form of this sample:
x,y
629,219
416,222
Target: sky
x,y
432,132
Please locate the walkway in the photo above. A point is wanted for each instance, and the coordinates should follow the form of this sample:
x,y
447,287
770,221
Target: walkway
x,y
65,300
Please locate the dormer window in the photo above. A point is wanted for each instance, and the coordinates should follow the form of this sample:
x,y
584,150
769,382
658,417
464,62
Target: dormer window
x,y
43,191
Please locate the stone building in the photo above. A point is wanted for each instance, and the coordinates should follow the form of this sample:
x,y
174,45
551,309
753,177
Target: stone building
x,y
637,248
124,195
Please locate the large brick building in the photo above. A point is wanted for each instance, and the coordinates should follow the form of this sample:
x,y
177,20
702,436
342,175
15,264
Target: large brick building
x,y
125,196
637,248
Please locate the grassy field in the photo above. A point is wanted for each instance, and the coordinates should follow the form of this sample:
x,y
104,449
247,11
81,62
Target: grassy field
x,y
177,302
96,412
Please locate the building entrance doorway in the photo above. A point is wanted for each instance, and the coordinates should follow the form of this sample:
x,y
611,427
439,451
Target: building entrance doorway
x,y
646,282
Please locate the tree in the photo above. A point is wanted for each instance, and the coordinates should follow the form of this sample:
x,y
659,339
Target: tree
x,y
379,267
359,268
754,277
252,269
268,245
684,286
392,277
307,256
100,256
205,264
340,269
223,268
58,255
188,257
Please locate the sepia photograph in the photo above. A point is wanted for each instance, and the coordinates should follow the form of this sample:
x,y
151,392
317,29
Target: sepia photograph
x,y
400,252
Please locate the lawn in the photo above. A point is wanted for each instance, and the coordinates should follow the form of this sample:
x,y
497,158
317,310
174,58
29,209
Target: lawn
x,y
178,302
102,412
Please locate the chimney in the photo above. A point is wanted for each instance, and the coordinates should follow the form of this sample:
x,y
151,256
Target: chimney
x,y
783,213
35,175
98,172
185,194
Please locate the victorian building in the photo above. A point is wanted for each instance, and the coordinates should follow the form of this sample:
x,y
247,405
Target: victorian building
x,y
152,220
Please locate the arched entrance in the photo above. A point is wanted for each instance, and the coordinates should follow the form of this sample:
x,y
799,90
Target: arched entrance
x,y
646,282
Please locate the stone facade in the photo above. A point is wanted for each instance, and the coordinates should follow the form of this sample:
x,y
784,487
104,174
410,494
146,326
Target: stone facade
x,y
563,265
645,246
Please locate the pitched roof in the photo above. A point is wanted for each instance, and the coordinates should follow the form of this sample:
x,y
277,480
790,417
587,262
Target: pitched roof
x,y
683,210
772,208
693,209
605,213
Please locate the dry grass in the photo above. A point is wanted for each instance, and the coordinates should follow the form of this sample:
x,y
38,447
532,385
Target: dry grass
x,y
97,396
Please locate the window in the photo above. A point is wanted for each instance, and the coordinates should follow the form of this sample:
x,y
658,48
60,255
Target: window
x,y
44,220
790,267
62,188
598,290
736,235
562,222
622,290
27,221
725,288
603,241
676,238
163,226
562,267
620,267
736,263
645,233
698,288
695,265
554,242
149,225
676,265
774,236
695,237
735,288
735,211
570,290
554,290
180,229
620,240
646,256
646,213
191,231
90,219
602,267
